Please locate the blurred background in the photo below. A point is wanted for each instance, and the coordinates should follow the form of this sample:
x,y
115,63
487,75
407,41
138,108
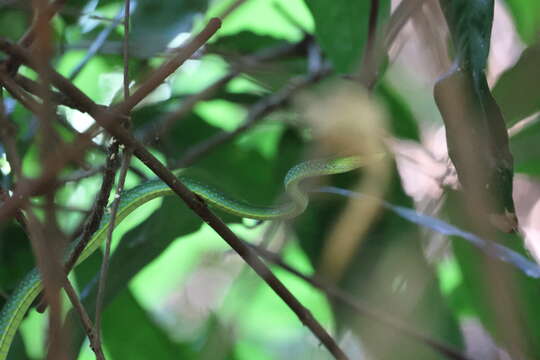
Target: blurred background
x,y
277,85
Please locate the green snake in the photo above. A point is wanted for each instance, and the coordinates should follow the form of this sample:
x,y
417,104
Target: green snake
x,y
22,298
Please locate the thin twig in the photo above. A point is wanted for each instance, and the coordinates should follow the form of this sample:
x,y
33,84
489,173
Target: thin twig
x,y
399,18
523,124
106,256
369,64
85,319
120,187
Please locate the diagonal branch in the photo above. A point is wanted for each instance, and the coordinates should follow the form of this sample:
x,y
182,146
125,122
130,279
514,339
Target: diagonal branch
x,y
107,121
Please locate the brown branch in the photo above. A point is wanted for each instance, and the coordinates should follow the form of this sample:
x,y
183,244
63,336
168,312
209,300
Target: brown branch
x,y
106,256
127,154
17,93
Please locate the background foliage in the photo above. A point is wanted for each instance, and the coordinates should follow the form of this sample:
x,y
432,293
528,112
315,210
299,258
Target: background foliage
x,y
175,290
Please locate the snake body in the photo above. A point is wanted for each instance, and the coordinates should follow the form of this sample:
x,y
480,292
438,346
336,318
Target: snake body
x,y
28,289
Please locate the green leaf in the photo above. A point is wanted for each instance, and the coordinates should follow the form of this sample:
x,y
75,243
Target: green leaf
x,y
518,89
130,333
265,18
402,121
341,28
17,351
526,15
503,298
16,256
13,22
525,149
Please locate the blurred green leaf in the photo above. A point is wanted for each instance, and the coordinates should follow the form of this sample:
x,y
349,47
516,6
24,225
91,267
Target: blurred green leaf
x,y
518,290
14,23
15,256
90,76
130,333
525,150
219,341
402,121
501,296
518,90
526,15
17,350
341,28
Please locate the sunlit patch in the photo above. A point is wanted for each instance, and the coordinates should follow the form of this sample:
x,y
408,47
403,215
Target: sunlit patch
x,y
179,40
5,168
111,85
79,120
222,114
449,275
